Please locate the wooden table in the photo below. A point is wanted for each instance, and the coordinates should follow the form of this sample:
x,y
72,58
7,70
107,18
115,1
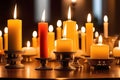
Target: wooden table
x,y
29,72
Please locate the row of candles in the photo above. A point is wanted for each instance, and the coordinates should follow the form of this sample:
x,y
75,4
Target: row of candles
x,y
46,41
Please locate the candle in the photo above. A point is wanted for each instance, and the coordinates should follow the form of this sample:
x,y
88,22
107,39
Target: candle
x,y
71,29
14,33
34,39
116,50
77,37
6,38
1,41
29,50
99,51
89,34
105,26
96,37
64,44
59,29
83,39
43,36
51,39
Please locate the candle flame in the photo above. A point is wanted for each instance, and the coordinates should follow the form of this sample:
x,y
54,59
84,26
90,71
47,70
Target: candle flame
x,y
89,18
34,34
6,30
105,18
73,1
83,29
28,43
76,27
93,29
64,32
43,16
0,33
69,13
96,34
119,43
100,39
15,12
59,23
51,28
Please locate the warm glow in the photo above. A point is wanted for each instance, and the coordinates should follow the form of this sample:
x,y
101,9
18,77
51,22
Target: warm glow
x,y
76,27
83,29
34,34
15,12
28,43
96,34
43,16
6,30
89,18
0,33
64,32
100,39
73,1
59,23
93,29
119,43
105,18
69,13
51,28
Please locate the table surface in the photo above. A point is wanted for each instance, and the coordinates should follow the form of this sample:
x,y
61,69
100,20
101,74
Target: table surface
x,y
85,72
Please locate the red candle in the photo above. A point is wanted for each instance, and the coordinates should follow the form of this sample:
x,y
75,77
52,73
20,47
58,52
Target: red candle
x,y
43,36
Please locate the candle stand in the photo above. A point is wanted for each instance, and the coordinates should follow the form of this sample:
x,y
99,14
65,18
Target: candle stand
x,y
117,60
27,58
14,60
65,58
43,62
76,63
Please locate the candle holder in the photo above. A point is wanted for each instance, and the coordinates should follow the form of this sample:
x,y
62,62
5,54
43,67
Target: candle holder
x,y
43,62
76,62
100,64
27,58
2,58
14,60
117,60
65,58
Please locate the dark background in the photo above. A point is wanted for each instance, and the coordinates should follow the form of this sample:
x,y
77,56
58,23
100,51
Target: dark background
x,y
26,13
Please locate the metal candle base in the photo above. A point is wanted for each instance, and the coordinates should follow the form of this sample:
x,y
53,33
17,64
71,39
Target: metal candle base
x,y
43,62
27,58
14,60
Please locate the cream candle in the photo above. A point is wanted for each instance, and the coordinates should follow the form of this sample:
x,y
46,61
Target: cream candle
x,y
5,38
105,26
116,50
59,29
14,33
34,39
1,41
99,51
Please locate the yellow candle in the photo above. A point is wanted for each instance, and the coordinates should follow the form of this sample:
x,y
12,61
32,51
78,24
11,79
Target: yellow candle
x,y
99,51
77,37
71,29
14,33
6,38
1,41
116,50
89,34
105,26
51,39
83,39
59,29
34,39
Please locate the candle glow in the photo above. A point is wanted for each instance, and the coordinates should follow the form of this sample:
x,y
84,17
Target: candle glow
x,y
43,16
15,12
28,43
83,29
6,30
0,33
105,18
96,34
69,13
76,27
89,18
59,23
100,40
51,28
64,32
34,34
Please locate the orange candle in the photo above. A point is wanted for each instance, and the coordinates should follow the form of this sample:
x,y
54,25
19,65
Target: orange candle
x,y
1,41
105,26
43,35
116,50
59,29
6,38
15,33
77,37
34,39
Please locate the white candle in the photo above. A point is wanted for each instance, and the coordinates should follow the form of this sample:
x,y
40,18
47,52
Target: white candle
x,y
116,50
105,26
6,38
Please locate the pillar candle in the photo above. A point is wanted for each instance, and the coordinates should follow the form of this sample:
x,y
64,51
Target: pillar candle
x,y
83,39
89,34
51,39
59,29
34,39
5,38
116,50
105,26
14,33
43,36
99,51
77,37
1,41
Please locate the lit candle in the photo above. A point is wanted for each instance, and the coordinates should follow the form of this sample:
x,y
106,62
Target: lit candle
x,y
105,26
89,34
99,51
15,33
5,38
96,37
83,39
1,41
77,37
71,29
34,39
116,50
59,29
51,39
43,36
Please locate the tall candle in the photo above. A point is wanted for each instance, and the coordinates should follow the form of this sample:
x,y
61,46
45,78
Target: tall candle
x,y
89,34
51,39
77,37
43,35
59,29
1,41
116,50
34,39
14,33
6,38
83,39
105,26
